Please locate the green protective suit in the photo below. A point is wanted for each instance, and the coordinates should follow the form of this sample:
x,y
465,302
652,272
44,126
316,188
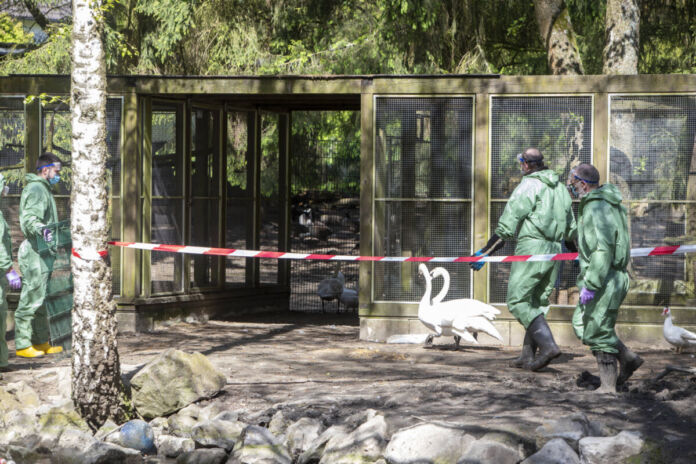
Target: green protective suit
x,y
539,213
5,266
604,249
36,209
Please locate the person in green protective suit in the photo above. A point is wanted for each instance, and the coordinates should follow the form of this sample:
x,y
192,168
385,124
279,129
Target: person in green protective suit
x,y
8,278
37,208
604,250
539,213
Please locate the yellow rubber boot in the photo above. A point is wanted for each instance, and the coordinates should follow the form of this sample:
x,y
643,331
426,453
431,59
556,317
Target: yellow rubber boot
x,y
48,349
30,352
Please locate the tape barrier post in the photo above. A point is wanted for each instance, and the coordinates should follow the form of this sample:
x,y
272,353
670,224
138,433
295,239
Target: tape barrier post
x,y
233,253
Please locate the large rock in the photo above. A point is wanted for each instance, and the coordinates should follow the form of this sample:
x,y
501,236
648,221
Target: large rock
x,y
259,446
300,435
24,394
217,433
316,448
556,451
19,429
364,444
108,453
52,423
171,446
173,380
486,450
597,450
427,443
135,434
570,428
203,456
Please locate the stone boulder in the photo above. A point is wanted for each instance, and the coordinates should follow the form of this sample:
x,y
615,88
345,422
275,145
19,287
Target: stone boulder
x,y
427,443
257,445
597,450
489,450
316,448
217,433
300,435
571,428
135,434
172,381
203,456
556,451
171,446
364,444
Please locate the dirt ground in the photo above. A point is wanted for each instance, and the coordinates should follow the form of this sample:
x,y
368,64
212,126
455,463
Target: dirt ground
x,y
316,363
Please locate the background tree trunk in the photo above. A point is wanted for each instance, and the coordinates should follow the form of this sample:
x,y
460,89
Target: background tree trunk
x,y
621,37
557,33
96,378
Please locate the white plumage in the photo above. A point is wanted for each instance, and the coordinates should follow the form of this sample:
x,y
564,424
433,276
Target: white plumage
x,y
677,336
456,318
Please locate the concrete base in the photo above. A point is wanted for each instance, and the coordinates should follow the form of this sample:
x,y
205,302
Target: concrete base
x,y
157,312
635,326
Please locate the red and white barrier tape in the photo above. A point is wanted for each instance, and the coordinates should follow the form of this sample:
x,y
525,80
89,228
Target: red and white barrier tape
x,y
90,255
635,252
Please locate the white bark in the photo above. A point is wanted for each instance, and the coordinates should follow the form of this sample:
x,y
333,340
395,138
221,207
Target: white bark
x,y
557,33
621,37
95,365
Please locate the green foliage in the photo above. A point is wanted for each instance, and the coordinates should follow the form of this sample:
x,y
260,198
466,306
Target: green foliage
x,y
11,31
52,57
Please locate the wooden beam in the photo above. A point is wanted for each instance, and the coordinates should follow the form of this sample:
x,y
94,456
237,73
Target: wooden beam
x,y
367,182
131,216
480,213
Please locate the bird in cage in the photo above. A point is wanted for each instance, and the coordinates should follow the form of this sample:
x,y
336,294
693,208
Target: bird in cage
x,y
677,336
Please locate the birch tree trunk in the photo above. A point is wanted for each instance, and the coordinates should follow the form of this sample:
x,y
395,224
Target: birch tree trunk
x,y
557,33
96,380
621,37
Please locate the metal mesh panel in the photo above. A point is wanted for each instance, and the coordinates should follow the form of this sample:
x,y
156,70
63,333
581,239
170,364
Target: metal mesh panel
x,y
423,147
167,199
325,185
423,151
420,228
270,200
652,146
239,203
561,127
205,204
565,293
113,147
12,128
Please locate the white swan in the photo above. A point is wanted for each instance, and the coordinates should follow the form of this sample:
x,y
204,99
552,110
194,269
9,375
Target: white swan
x,y
456,317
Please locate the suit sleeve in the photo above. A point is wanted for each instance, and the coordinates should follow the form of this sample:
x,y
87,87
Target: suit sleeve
x,y
31,213
519,206
5,254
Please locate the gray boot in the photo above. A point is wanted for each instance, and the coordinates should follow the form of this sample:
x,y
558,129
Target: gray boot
x,y
543,338
628,363
528,350
606,362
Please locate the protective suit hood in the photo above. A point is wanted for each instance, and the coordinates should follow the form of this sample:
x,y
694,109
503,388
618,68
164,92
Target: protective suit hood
x,y
31,177
607,192
547,176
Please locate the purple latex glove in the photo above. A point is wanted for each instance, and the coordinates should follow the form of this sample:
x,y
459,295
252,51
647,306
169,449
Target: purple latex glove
x,y
14,280
47,235
586,295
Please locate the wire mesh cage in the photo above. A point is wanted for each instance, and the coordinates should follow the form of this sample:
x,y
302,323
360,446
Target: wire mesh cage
x,y
652,160
59,290
423,190
12,127
166,269
561,128
325,209
239,201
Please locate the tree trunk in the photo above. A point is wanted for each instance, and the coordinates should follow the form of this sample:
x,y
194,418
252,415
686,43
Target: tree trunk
x,y
36,13
621,37
96,380
557,33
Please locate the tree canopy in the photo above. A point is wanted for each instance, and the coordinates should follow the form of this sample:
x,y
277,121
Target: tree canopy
x,y
217,37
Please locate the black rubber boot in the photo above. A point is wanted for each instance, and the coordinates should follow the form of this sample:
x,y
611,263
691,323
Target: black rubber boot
x,y
628,363
606,362
528,350
543,338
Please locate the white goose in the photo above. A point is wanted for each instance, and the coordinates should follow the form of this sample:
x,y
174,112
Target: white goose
x,y
677,336
455,317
